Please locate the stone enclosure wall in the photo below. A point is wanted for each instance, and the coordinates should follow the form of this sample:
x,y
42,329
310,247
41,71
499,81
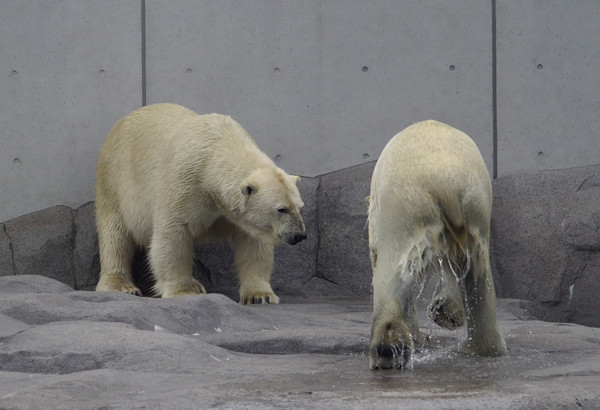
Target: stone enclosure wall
x,y
545,243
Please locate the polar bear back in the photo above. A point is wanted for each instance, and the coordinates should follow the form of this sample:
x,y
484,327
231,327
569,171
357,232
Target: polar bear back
x,y
431,166
154,153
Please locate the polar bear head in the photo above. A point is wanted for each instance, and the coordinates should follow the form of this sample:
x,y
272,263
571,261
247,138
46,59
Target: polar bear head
x,y
269,206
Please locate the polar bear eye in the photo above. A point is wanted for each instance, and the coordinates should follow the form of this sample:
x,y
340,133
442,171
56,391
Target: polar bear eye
x,y
283,210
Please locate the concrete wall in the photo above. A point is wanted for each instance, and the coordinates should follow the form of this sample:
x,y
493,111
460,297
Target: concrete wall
x,y
321,85
548,100
68,70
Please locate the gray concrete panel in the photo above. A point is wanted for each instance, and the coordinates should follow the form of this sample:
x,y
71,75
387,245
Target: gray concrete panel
x,y
548,53
69,69
323,85
255,60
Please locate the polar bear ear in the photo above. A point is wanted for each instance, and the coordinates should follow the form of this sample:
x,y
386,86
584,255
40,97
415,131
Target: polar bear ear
x,y
249,189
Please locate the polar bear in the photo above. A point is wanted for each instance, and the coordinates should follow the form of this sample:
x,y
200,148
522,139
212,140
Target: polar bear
x,y
429,212
167,177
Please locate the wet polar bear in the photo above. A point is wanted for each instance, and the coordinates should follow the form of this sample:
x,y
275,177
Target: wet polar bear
x,y
167,177
429,211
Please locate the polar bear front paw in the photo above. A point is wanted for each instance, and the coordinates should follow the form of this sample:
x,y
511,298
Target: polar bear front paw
x,y
117,282
189,288
259,298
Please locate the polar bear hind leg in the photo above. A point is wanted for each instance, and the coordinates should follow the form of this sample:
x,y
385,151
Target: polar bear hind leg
x,y
117,249
483,337
171,257
447,307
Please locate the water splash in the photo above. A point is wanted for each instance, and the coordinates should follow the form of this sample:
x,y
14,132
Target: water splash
x,y
460,272
399,354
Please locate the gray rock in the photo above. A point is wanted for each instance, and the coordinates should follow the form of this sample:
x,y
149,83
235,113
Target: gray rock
x,y
32,284
546,241
86,256
61,303
42,243
343,235
6,264
318,287
86,350
10,326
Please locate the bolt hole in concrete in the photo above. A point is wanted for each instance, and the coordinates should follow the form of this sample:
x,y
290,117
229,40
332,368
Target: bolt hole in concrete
x,y
277,158
101,72
452,67
366,156
189,70
540,154
540,66
17,161
276,70
14,72
365,69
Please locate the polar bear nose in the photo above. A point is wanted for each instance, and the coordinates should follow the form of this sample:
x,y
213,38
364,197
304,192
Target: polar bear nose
x,y
299,237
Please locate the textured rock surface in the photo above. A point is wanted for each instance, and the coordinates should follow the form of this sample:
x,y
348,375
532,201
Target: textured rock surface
x,y
344,246
6,264
42,243
68,349
86,258
546,239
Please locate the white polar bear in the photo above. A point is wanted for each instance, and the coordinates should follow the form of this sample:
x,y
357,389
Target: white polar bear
x,y
429,210
167,177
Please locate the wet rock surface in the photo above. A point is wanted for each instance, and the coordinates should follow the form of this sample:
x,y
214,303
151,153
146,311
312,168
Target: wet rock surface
x,y
61,348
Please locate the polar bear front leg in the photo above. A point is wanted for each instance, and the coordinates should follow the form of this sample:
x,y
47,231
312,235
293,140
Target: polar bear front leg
x,y
171,259
253,262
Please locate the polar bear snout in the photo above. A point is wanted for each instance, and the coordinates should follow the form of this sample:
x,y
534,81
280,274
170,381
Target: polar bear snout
x,y
294,238
291,229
